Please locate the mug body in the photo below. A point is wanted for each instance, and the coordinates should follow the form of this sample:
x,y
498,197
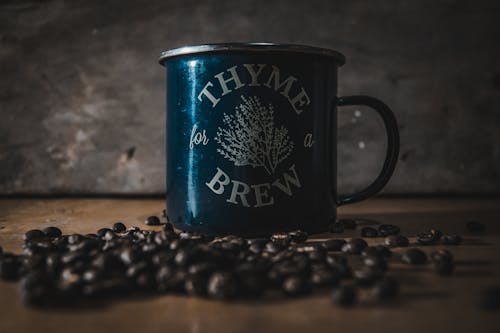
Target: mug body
x,y
251,138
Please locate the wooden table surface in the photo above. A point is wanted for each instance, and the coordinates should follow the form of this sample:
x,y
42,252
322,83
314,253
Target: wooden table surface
x,y
428,303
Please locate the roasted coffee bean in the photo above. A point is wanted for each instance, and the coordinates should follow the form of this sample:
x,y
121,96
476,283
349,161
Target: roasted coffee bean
x,y
333,244
38,247
354,246
452,239
137,268
101,232
396,241
52,232
349,224
414,257
70,281
325,276
282,239
344,295
146,280
129,255
53,264
189,255
75,238
335,259
441,255
91,275
336,227
385,289
318,254
119,227
369,232
429,237
475,226
489,298
86,245
443,267
298,236
33,235
377,250
385,230
73,257
366,276
256,248
35,290
273,247
168,278
295,286
196,285
153,220
222,285
10,267
375,262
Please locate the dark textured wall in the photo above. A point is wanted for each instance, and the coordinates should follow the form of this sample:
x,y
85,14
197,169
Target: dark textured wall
x,y
82,95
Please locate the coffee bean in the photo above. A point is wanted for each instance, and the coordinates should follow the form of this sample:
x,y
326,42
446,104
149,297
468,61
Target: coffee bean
x,y
489,298
375,262
475,226
333,244
35,290
168,278
396,241
429,237
298,236
344,295
451,239
222,285
196,285
385,289
52,232
318,254
75,238
443,267
119,227
281,239
385,230
414,257
325,277
366,276
295,286
101,232
349,224
340,265
369,232
10,267
32,235
336,227
153,220
377,250
354,246
441,255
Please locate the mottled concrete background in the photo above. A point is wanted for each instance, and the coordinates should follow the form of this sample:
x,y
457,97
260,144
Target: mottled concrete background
x,y
82,96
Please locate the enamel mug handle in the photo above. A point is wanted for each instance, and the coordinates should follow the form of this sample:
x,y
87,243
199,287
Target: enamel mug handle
x,y
391,128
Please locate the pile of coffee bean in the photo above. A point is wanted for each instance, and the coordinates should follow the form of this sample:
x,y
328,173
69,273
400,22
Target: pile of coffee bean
x,y
57,269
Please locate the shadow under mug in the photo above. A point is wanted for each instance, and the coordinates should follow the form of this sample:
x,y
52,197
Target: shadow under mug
x,y
251,138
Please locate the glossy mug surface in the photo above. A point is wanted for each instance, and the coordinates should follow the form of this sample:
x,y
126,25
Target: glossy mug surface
x,y
251,138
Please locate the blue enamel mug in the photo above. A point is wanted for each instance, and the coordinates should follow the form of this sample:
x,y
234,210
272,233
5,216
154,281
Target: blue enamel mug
x,y
251,138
